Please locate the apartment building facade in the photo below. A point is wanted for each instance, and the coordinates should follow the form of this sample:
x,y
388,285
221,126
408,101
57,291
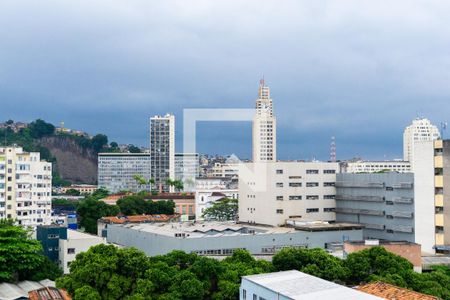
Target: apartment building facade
x,y
116,171
25,187
271,193
162,150
442,194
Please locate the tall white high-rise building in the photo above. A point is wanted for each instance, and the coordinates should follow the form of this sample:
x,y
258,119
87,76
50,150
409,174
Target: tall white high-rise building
x,y
264,127
162,150
25,187
421,129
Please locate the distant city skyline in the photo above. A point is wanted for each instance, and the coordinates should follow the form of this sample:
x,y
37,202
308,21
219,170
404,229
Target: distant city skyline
x,y
357,71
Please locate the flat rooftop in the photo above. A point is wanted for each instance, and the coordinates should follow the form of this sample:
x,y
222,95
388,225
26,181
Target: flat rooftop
x,y
213,228
323,226
78,235
297,285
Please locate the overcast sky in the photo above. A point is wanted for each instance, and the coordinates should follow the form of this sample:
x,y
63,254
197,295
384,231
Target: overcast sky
x,y
358,70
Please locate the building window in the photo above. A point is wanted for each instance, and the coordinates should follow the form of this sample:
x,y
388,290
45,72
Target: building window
x,y
312,197
329,209
295,184
312,171
280,198
244,294
329,197
70,250
279,211
389,203
295,197
329,171
312,184
312,210
255,297
279,171
279,184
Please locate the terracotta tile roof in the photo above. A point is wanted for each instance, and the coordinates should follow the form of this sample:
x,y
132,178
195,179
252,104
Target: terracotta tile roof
x,y
392,292
139,219
48,293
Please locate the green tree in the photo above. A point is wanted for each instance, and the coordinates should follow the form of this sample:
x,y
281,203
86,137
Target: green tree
x,y
40,128
46,270
132,205
90,209
374,261
223,210
177,184
133,149
19,254
73,192
316,262
99,141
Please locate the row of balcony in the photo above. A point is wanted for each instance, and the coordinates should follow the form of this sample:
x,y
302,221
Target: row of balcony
x,y
400,200
373,212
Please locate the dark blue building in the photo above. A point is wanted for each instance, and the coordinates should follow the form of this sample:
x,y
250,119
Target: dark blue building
x,y
49,236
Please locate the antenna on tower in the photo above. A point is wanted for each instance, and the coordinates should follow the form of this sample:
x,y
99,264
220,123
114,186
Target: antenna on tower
x,y
333,149
443,128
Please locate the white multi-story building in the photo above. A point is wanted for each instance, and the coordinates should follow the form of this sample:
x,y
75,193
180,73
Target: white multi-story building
x,y
264,127
376,166
25,187
162,150
210,190
421,129
76,242
187,169
271,193
116,171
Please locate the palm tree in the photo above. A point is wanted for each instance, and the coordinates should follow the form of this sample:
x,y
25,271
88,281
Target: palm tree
x,y
142,181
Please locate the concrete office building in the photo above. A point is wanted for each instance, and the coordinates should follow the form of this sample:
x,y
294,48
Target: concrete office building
x,y
442,194
295,285
264,127
162,150
421,129
25,187
116,171
389,205
375,166
272,192
187,169
210,190
222,238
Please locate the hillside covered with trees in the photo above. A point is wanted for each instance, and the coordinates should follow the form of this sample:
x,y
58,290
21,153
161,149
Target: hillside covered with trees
x,y
74,156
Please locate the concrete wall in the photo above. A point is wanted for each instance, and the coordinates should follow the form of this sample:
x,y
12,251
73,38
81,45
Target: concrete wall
x,y
155,244
423,161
